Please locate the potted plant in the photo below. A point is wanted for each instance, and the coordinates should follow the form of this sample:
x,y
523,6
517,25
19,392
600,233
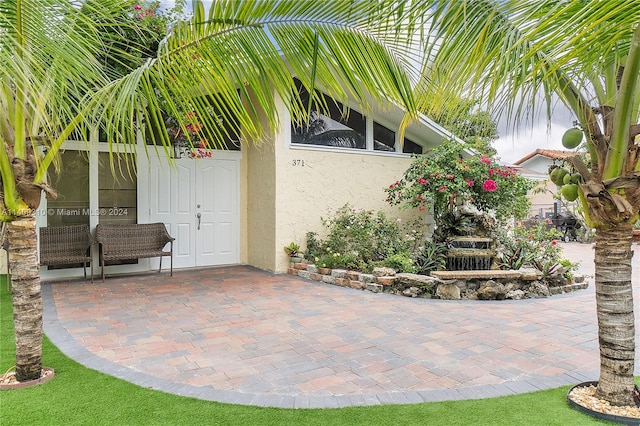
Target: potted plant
x,y
293,251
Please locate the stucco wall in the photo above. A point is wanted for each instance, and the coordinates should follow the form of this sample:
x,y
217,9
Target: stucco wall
x,y
261,205
313,184
290,188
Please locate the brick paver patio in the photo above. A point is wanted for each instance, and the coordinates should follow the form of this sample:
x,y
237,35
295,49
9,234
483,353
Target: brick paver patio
x,y
241,335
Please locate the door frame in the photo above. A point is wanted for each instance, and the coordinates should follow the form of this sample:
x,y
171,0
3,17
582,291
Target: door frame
x,y
161,158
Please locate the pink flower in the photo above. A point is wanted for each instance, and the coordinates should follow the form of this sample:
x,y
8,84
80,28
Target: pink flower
x,y
484,159
422,181
470,182
450,177
442,188
137,7
489,185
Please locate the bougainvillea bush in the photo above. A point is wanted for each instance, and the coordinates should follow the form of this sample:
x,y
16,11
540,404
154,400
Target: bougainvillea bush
x,y
446,178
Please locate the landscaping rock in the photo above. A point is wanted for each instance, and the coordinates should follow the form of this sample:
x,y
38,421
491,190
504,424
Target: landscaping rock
x,y
515,295
304,274
367,278
415,280
384,272
530,274
448,292
358,285
342,282
376,288
338,273
411,292
312,268
353,275
386,281
328,279
538,289
491,290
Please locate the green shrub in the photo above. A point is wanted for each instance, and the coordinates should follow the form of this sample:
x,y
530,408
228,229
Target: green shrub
x,y
432,257
363,239
400,262
313,246
534,246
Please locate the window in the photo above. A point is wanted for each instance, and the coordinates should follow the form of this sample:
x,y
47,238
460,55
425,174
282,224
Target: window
x,y
383,139
117,190
342,127
410,147
71,181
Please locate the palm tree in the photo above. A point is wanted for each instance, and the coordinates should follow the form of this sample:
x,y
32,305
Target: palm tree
x,y
64,67
515,55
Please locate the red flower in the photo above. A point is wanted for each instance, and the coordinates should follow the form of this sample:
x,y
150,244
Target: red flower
x,y
484,159
450,177
422,181
442,188
554,242
470,182
489,185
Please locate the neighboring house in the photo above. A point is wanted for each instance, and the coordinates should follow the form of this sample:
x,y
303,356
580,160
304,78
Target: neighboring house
x,y
244,204
535,166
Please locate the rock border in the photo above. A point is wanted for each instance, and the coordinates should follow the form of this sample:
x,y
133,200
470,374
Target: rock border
x,y
447,285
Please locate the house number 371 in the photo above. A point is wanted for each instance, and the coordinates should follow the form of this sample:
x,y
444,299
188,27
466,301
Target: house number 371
x,y
297,163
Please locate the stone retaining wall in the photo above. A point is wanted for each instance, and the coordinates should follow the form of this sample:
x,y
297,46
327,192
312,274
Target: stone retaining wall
x,y
451,285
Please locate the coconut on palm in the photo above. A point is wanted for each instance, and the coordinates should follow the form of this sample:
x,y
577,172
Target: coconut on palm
x,y
572,138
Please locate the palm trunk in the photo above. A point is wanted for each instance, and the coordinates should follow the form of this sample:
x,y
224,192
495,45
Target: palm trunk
x,y
616,326
26,295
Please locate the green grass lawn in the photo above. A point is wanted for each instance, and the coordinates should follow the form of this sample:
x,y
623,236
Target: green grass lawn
x,y
81,396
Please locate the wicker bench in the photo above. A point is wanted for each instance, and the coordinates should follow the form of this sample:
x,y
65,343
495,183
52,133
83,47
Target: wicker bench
x,y
66,245
133,241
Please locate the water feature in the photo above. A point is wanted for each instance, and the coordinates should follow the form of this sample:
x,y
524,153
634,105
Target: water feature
x,y
471,253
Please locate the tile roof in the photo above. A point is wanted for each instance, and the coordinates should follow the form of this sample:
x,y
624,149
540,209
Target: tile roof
x,y
554,154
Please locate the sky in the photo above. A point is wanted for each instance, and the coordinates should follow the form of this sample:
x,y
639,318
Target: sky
x,y
514,144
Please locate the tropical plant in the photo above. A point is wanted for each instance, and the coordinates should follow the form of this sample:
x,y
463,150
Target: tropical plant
x,y
447,178
56,81
533,246
401,262
432,257
517,55
292,249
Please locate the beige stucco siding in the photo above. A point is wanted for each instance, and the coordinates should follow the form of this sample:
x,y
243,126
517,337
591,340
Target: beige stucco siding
x,y
313,184
289,189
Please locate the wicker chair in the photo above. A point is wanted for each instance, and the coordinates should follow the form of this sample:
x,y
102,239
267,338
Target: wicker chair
x,y
133,241
66,245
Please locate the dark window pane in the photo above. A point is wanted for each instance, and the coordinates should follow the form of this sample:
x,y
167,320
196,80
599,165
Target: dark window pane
x,y
340,126
383,139
117,192
410,147
71,182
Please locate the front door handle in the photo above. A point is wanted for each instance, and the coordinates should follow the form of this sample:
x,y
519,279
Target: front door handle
x,y
198,216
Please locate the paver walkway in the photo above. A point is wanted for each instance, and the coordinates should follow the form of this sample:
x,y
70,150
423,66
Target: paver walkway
x,y
241,335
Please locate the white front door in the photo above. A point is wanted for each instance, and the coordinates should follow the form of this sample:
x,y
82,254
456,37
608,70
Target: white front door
x,y
198,202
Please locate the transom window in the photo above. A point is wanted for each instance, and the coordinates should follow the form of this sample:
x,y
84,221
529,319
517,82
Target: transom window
x,y
342,127
384,139
336,125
